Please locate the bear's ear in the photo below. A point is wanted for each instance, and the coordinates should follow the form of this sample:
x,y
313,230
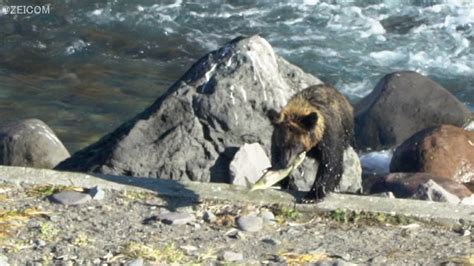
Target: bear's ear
x,y
309,121
274,116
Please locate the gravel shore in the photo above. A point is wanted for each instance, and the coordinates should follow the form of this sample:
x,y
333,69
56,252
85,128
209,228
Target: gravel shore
x,y
135,227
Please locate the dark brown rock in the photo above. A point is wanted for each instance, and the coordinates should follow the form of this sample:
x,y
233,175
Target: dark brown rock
x,y
441,151
406,185
402,104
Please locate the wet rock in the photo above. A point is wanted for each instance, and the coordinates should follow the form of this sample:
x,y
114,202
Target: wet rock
x,y
70,198
271,241
250,223
434,192
135,262
351,182
442,151
402,104
209,217
230,256
30,143
97,193
176,218
193,130
405,185
248,165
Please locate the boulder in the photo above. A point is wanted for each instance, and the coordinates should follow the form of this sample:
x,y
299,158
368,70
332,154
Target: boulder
x,y
248,164
194,129
441,151
406,185
402,104
351,182
30,143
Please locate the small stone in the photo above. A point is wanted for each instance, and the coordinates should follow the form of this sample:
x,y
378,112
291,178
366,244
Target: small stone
x,y
336,262
190,250
209,217
97,193
70,198
135,262
268,216
96,261
271,241
232,256
4,260
40,243
176,218
250,223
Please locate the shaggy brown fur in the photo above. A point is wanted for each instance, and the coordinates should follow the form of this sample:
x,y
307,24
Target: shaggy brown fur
x,y
318,120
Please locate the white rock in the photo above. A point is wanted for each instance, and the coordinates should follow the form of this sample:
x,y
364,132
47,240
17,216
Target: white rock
x,y
249,163
97,193
232,256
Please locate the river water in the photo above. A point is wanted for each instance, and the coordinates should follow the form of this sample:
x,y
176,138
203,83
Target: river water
x,y
85,67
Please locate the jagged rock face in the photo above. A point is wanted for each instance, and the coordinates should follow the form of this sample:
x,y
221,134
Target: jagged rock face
x,y
194,129
30,143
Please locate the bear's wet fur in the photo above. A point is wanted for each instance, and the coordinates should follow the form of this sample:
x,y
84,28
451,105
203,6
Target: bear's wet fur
x,y
318,120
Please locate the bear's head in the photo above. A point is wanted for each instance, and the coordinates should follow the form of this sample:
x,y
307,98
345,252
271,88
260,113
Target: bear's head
x,y
293,133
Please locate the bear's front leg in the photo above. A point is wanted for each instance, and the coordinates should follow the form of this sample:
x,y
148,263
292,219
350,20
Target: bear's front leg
x,y
330,169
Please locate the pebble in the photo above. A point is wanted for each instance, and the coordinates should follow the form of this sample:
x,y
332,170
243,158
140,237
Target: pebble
x,y
268,216
97,193
3,260
250,223
336,262
70,198
271,241
209,217
232,256
40,243
190,250
135,262
176,218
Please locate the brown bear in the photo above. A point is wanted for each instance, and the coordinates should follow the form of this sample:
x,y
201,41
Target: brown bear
x,y
318,120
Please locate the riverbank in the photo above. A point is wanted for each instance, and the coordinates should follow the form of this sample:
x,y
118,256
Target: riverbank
x,y
128,223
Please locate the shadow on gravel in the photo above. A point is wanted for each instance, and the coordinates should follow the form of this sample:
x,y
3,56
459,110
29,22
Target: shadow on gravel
x,y
174,193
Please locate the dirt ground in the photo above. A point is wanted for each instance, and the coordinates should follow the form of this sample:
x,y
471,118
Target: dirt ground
x,y
124,226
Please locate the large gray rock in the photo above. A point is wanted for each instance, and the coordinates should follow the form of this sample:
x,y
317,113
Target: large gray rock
x,y
402,104
194,129
351,182
248,164
30,143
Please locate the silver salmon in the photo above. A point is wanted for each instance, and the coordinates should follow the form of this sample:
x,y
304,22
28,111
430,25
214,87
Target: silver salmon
x,y
271,177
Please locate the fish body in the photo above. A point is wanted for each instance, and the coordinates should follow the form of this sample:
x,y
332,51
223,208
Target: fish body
x,y
271,177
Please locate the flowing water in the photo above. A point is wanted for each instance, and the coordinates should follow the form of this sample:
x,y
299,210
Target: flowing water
x,y
85,67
